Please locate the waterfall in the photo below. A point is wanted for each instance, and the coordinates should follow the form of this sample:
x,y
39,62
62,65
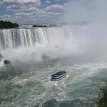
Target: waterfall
x,y
22,43
14,38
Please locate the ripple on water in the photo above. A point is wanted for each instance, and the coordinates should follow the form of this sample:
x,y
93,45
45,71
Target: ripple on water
x,y
31,86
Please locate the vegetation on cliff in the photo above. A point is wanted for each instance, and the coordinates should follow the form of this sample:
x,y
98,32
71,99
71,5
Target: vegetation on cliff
x,y
39,26
102,99
45,25
8,25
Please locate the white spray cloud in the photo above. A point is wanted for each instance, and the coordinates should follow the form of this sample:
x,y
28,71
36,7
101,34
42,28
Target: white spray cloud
x,y
94,44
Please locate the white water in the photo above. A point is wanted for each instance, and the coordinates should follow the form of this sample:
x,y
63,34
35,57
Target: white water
x,y
37,53
54,42
34,88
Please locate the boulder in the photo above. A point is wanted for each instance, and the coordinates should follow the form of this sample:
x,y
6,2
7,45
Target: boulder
x,y
6,62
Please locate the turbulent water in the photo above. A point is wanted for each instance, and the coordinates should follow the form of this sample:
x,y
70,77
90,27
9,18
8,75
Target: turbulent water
x,y
35,54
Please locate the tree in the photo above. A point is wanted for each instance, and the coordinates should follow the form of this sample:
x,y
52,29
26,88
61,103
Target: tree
x,y
8,25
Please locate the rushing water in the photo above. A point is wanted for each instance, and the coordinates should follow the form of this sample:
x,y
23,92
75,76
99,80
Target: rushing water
x,y
37,53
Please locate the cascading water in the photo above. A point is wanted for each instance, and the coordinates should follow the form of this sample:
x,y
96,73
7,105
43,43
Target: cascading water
x,y
13,38
53,41
26,81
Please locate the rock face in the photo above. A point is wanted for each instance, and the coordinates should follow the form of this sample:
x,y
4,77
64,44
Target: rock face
x,y
0,55
6,62
44,57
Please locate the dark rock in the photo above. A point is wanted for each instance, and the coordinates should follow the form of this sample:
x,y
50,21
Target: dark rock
x,y
6,62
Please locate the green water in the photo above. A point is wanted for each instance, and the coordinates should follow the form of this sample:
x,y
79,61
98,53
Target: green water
x,y
29,85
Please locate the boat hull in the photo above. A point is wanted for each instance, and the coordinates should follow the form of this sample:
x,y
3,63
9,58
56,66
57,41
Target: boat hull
x,y
58,76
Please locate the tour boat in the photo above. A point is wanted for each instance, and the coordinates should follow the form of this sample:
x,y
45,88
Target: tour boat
x,y
58,75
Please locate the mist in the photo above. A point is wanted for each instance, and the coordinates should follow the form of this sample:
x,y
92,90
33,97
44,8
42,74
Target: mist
x,y
94,13
98,30
84,42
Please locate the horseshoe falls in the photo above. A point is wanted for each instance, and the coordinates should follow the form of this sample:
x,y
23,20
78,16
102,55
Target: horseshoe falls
x,y
13,38
36,53
53,41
